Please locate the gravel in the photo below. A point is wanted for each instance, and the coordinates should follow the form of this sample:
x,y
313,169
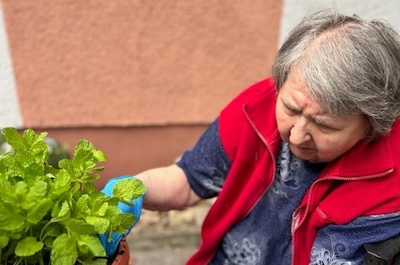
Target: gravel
x,y
170,247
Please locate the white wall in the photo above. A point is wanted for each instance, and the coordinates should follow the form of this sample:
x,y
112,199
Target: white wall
x,y
295,10
9,107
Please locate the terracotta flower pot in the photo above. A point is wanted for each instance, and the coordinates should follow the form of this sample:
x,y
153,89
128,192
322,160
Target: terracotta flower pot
x,y
122,256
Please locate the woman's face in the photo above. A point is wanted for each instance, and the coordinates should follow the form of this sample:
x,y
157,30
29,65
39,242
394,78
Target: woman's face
x,y
312,133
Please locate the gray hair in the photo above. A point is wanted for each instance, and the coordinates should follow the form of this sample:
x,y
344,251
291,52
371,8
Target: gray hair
x,y
349,65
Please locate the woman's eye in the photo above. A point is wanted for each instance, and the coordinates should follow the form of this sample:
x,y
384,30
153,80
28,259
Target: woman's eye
x,y
326,127
291,111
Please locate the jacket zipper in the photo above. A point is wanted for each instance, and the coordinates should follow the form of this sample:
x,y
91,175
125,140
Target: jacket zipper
x,y
296,222
271,155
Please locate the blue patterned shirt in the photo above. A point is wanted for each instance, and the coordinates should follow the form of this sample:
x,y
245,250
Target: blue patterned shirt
x,y
264,236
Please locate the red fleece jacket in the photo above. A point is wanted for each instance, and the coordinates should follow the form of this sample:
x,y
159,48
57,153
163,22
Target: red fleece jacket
x,y
365,178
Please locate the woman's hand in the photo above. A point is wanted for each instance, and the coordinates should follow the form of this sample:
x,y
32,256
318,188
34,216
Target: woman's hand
x,y
135,209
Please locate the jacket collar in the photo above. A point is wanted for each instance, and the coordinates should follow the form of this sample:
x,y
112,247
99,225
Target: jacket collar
x,y
369,158
260,112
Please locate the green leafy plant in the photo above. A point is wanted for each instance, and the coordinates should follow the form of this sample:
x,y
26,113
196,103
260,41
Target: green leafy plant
x,y
53,215
57,150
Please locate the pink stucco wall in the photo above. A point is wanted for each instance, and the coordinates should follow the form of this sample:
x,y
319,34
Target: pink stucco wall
x,y
129,63
139,79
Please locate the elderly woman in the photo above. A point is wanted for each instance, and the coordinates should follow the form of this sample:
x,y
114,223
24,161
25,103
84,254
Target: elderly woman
x,y
303,164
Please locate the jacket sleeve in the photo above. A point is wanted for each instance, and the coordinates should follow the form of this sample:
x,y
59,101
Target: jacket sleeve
x,y
206,165
343,244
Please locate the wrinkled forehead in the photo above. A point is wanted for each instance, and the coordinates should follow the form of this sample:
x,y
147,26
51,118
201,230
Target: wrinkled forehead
x,y
296,92
318,91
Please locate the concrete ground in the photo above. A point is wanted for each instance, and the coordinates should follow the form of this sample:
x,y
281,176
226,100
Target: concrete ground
x,y
171,247
167,238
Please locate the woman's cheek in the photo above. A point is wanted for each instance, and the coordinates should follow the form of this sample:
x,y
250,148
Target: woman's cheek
x,y
284,130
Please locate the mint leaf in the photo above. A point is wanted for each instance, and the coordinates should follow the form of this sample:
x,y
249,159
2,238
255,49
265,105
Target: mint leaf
x,y
90,178
34,194
61,180
29,145
82,207
28,247
64,250
52,230
77,227
129,189
101,224
6,214
4,241
121,223
86,157
8,191
38,211
102,210
85,147
13,137
60,212
92,245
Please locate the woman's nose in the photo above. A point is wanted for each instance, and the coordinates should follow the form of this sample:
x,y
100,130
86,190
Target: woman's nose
x,y
299,133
